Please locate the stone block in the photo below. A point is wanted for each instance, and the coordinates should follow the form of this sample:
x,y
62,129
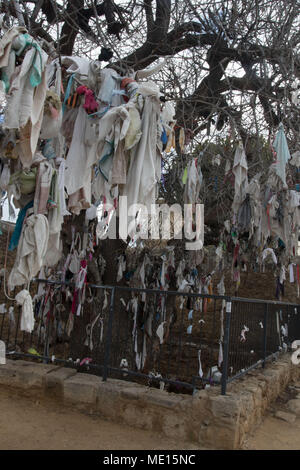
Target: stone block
x,y
81,389
294,406
139,417
23,374
288,417
8,373
54,380
108,402
33,375
132,393
174,426
224,406
221,437
162,399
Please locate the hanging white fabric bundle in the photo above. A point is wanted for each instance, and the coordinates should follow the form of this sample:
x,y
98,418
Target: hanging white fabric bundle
x,y
80,159
91,213
282,154
160,332
31,251
144,354
240,171
221,286
184,286
138,360
7,42
145,162
5,177
80,280
135,310
24,299
77,65
284,330
194,182
163,271
89,333
121,267
200,365
2,353
3,308
70,324
295,95
75,250
25,107
146,73
142,273
282,276
295,160
291,272
243,332
11,314
61,186
220,358
105,302
268,251
179,273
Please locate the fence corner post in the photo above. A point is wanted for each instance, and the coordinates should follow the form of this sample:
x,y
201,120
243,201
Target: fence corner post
x,y
265,334
226,347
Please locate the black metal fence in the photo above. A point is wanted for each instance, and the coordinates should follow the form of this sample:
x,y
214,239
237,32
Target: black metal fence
x,y
259,331
176,340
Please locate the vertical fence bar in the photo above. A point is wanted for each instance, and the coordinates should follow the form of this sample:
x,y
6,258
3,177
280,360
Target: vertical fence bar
x,y
2,325
9,329
265,334
109,335
46,344
226,348
17,326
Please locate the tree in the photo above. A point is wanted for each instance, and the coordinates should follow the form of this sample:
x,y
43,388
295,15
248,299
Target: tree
x,y
231,65
230,69
232,60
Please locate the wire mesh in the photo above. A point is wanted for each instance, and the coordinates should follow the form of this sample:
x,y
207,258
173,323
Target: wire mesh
x,y
154,337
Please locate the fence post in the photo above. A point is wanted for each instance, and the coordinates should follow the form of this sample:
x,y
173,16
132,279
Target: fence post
x,y
109,335
226,348
265,334
46,344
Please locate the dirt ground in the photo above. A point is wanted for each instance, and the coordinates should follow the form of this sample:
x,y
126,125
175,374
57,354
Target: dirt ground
x,y
274,433
34,424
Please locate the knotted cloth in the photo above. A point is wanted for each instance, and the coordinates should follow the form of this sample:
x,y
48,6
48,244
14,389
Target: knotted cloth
x,y
24,299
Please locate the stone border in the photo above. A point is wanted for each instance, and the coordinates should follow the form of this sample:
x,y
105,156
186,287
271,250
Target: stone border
x,y
207,418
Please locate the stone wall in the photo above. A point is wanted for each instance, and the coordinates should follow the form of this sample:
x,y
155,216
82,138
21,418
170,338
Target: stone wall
x,y
206,418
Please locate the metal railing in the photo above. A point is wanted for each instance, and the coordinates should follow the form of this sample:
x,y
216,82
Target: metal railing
x,y
160,338
271,328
